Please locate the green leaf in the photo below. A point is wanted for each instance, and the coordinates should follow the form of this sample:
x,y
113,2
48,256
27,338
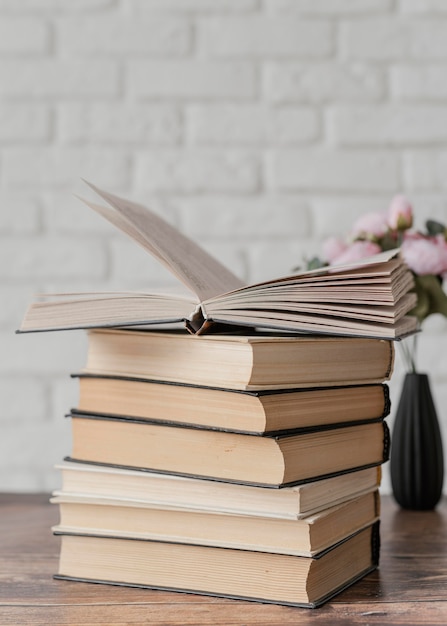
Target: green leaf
x,y
435,228
431,297
315,263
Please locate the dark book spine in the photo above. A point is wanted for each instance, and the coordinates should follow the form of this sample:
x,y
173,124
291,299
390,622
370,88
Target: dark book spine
x,y
375,543
386,442
386,401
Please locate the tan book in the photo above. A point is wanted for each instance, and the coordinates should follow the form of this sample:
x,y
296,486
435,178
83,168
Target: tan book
x,y
369,297
252,362
136,520
84,480
245,458
243,411
224,572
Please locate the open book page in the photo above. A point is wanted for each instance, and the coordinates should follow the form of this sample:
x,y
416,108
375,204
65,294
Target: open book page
x,y
319,324
70,311
345,299
383,264
198,270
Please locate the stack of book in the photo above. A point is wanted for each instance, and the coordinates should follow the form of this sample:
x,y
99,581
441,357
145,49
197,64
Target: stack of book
x,y
260,484
242,459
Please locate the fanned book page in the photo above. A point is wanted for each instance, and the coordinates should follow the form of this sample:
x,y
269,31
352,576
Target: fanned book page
x,y
368,298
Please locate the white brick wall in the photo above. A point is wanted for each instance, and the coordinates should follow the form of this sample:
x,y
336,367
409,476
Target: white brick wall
x,y
259,127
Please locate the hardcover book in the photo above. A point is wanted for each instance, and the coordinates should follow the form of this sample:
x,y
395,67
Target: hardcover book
x,y
86,480
136,520
253,362
224,572
286,459
268,411
369,297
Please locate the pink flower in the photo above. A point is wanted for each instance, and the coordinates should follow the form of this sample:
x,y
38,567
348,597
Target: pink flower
x,y
400,213
332,248
357,251
371,225
426,255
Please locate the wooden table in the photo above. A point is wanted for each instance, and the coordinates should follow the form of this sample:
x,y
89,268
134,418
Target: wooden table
x,y
409,588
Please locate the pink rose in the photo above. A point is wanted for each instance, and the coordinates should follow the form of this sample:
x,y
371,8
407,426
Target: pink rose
x,y
427,255
371,225
332,248
357,251
400,213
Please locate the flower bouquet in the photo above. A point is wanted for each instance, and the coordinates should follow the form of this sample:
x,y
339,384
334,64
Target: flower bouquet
x,y
417,467
425,253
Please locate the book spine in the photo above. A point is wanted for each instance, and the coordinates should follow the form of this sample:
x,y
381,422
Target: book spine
x,y
386,442
386,401
375,543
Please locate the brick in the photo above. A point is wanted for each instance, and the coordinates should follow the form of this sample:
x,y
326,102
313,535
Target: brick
x,y
58,78
24,122
442,169
389,124
15,299
422,6
421,170
423,82
36,6
241,217
42,354
394,38
20,213
192,79
232,254
50,257
23,36
334,170
202,6
322,82
428,205
264,36
197,171
132,268
113,122
334,7
22,399
62,166
64,213
270,259
252,124
64,395
28,454
118,35
336,214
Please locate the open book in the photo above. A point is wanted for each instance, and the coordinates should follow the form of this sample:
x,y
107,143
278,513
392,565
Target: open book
x,y
366,298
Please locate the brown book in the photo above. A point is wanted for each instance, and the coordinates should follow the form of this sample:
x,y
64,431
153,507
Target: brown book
x,y
242,411
252,362
369,297
173,491
224,572
267,460
136,520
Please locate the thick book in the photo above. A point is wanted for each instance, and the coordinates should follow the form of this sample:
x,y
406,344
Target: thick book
x,y
136,520
244,411
253,362
274,460
369,297
174,491
223,572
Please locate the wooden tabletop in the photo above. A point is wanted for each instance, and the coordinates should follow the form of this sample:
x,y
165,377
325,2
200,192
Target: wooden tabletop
x,y
409,588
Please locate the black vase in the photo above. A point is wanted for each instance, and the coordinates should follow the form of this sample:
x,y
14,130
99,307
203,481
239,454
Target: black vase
x,y
417,467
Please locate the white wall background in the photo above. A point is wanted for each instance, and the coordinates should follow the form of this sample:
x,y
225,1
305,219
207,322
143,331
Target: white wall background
x,y
259,127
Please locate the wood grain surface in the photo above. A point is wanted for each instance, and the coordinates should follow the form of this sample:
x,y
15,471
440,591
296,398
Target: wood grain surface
x,y
410,586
